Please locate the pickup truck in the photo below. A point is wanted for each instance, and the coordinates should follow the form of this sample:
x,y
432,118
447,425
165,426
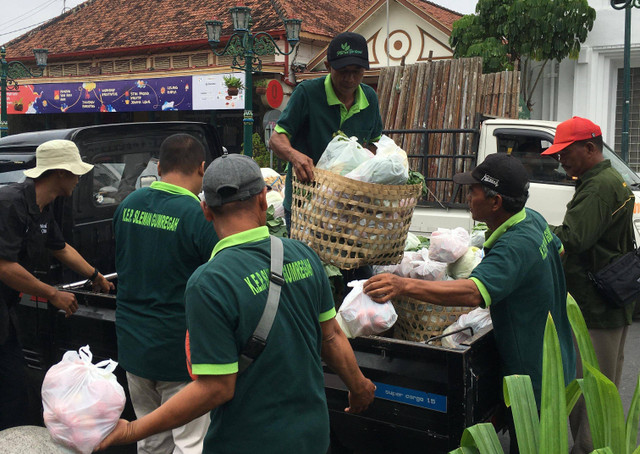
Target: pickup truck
x,y
124,157
550,189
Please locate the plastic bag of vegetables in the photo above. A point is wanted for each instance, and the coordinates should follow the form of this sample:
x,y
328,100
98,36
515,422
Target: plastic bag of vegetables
x,y
359,315
343,154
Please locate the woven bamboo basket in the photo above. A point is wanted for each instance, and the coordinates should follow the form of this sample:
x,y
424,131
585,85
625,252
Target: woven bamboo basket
x,y
350,223
419,321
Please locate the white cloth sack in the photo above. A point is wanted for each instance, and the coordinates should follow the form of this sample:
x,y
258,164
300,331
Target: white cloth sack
x,y
359,315
448,245
342,155
82,401
475,319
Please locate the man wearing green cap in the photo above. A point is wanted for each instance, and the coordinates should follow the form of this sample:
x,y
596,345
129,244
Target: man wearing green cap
x,y
28,227
597,228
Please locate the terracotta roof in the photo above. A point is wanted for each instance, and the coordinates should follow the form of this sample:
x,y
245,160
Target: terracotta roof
x,y
443,15
120,24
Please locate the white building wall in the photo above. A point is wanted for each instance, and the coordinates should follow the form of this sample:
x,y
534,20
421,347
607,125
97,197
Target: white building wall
x,y
587,87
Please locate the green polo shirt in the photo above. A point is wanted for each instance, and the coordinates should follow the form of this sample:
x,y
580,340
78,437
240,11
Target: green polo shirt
x,y
314,114
279,403
521,280
597,228
161,238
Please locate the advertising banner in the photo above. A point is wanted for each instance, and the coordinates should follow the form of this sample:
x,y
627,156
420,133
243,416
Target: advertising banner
x,y
210,92
166,93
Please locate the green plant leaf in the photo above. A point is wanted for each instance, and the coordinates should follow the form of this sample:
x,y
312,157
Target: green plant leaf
x,y
518,394
604,409
606,450
580,331
465,450
483,437
633,418
553,407
637,450
573,393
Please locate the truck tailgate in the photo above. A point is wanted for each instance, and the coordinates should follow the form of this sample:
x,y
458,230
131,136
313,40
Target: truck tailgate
x,y
425,397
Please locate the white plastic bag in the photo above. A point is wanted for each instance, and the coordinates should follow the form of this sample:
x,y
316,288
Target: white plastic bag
x,y
388,166
448,245
82,401
342,155
475,319
359,315
428,270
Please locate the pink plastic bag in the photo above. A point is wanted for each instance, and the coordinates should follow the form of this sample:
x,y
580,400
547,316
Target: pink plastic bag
x,y
82,401
359,315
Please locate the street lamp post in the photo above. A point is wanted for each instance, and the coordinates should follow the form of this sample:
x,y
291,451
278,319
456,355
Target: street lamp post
x,y
626,88
9,72
245,48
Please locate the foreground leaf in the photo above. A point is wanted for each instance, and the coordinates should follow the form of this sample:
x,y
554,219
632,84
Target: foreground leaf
x,y
633,418
465,450
483,437
580,331
573,393
553,407
518,394
606,450
604,409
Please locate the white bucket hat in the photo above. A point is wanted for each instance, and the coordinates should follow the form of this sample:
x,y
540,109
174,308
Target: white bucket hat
x,y
58,154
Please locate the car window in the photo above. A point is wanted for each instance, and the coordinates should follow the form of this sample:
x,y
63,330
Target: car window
x,y
12,166
528,149
115,176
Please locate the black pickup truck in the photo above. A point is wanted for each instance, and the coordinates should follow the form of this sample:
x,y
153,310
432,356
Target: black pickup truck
x,y
124,157
426,395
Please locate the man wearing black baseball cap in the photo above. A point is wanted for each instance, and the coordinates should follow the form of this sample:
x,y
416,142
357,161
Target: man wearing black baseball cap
x,y
321,107
520,278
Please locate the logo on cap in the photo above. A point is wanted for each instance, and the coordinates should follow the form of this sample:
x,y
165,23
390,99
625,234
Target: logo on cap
x,y
347,50
491,180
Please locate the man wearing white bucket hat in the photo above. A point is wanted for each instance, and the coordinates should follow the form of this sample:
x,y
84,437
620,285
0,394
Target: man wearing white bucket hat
x,y
27,226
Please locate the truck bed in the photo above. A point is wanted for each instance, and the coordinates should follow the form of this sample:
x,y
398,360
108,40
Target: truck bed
x,y
426,395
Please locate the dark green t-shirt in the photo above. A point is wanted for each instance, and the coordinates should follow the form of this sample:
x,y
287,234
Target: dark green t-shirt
x,y
521,280
161,238
279,404
314,113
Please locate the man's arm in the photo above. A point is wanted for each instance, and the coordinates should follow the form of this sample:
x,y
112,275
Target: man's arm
x,y
302,164
337,353
18,278
461,292
193,401
71,258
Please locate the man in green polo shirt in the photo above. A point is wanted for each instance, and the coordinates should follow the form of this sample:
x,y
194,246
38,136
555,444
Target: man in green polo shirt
x,y
161,238
321,107
597,228
520,278
277,405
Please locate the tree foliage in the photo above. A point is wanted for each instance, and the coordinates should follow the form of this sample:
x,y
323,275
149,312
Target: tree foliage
x,y
506,33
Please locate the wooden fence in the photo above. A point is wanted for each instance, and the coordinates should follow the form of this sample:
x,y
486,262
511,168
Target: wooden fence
x,y
443,94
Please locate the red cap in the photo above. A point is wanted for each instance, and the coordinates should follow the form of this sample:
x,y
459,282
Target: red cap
x,y
571,131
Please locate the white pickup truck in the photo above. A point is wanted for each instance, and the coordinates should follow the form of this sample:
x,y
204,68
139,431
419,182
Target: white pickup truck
x,y
550,189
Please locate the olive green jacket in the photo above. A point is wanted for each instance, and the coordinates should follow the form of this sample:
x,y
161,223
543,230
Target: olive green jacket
x,y
597,228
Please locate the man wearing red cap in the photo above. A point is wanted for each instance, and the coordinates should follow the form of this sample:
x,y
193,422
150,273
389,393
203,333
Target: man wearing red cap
x,y
597,229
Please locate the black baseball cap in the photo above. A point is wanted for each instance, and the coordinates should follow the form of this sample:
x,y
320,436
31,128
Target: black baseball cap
x,y
499,171
346,49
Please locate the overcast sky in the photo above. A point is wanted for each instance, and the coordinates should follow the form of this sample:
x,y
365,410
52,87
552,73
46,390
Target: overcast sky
x,y
24,15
